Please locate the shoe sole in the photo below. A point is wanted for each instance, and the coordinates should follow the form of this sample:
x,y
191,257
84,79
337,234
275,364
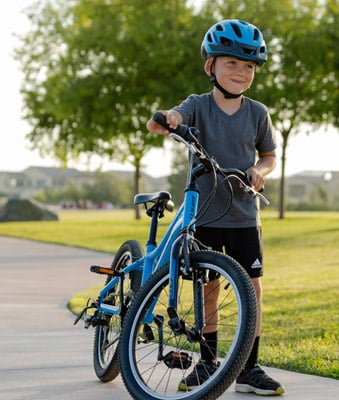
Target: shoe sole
x,y
184,388
242,388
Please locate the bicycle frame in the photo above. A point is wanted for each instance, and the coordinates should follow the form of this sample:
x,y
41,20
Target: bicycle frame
x,y
158,255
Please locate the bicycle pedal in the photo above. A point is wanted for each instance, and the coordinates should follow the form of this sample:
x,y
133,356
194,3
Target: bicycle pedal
x,y
97,269
181,360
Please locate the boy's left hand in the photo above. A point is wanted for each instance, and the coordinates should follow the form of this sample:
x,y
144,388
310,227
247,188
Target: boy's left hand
x,y
257,179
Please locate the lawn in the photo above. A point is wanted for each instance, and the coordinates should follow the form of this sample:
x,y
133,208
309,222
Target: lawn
x,y
301,279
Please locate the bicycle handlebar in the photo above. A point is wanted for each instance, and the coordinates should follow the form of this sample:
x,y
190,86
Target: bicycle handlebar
x,y
188,136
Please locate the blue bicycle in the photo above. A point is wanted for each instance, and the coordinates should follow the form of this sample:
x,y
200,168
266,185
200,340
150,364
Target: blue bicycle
x,y
151,315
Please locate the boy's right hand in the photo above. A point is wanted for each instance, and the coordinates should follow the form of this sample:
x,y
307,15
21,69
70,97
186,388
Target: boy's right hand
x,y
173,119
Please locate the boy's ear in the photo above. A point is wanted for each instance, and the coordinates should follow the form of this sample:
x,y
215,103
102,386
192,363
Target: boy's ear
x,y
207,66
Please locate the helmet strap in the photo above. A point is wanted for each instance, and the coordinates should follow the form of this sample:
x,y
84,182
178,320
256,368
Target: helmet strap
x,y
214,82
226,93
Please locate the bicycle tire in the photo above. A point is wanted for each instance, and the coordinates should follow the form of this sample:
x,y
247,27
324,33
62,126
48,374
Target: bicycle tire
x,y
106,336
148,378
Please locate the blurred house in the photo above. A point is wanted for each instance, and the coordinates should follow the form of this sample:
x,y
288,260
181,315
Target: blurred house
x,y
27,183
304,186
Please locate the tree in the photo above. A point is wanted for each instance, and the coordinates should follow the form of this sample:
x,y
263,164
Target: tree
x,y
178,177
108,188
304,84
95,70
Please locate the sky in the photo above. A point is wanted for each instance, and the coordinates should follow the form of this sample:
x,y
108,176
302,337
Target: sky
x,y
315,151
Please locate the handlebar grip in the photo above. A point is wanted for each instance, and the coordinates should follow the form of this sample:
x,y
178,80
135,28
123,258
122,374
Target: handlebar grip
x,y
161,120
181,130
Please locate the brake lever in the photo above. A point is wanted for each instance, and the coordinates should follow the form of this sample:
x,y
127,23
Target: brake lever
x,y
192,148
263,198
254,193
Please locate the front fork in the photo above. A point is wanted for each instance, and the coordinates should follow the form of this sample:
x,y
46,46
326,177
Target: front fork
x,y
180,359
180,260
178,326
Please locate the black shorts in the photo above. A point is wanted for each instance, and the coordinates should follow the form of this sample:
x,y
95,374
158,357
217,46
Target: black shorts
x,y
245,245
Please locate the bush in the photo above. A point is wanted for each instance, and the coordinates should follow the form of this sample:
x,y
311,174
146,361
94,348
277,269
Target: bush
x,y
25,210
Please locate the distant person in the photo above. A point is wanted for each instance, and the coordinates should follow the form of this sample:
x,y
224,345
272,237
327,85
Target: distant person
x,y
237,131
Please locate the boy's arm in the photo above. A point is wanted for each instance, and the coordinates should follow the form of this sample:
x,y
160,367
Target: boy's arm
x,y
265,164
173,118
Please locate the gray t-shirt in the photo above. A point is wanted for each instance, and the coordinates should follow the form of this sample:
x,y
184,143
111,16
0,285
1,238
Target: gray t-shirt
x,y
233,140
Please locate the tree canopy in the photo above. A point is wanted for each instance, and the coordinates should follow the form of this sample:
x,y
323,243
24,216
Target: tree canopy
x,y
96,70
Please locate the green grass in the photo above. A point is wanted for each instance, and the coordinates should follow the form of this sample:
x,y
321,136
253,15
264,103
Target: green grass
x,y
301,293
301,279
97,230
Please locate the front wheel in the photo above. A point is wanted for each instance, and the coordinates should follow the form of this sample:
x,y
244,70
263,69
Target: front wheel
x,y
107,333
157,361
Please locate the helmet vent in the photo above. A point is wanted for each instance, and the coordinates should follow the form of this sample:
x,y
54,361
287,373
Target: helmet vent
x,y
225,41
247,50
255,35
219,27
237,30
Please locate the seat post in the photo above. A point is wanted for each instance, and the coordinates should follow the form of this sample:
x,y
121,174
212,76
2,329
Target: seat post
x,y
153,212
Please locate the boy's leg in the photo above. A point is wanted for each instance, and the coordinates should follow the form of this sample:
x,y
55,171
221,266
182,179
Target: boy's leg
x,y
246,246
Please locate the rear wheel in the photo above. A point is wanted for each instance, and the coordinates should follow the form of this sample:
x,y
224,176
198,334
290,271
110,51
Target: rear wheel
x,y
156,360
107,333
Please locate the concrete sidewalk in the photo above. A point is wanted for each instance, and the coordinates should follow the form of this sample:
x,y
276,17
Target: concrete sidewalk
x,y
45,357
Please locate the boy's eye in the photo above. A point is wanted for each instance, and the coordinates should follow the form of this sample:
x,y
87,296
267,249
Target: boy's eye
x,y
233,63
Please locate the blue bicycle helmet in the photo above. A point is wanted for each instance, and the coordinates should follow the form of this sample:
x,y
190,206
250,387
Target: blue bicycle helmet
x,y
233,37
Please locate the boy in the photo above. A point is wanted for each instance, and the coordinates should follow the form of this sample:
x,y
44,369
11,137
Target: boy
x,y
237,132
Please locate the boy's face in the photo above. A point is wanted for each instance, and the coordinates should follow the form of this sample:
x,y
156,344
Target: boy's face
x,y
233,74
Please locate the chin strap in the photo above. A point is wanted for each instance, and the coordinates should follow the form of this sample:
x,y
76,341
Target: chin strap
x,y
226,94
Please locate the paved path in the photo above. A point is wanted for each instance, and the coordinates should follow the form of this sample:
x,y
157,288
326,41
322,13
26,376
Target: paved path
x,y
45,357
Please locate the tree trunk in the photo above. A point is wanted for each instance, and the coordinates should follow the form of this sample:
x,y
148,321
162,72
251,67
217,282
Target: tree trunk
x,y
282,180
137,189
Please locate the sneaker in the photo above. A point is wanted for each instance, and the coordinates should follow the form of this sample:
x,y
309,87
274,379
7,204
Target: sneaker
x,y
255,380
201,372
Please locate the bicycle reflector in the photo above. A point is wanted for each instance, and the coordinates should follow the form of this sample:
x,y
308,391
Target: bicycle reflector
x,y
103,270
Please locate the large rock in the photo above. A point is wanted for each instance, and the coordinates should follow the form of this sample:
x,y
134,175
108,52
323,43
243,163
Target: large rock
x,y
25,210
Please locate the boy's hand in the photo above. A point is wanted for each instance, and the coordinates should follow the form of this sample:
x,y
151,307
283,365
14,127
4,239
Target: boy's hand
x,y
257,179
264,166
173,119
